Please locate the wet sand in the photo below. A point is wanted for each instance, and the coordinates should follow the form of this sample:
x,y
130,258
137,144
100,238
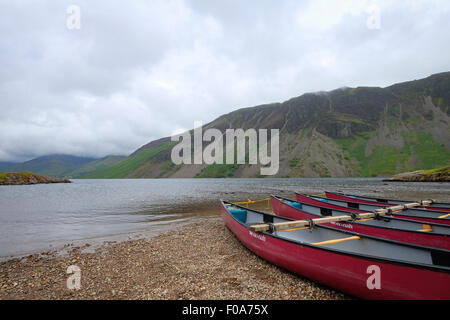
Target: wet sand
x,y
203,260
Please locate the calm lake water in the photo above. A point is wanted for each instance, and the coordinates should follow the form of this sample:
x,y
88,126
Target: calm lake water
x,y
36,218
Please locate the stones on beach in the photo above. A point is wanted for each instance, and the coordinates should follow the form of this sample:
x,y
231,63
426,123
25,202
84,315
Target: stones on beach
x,y
202,260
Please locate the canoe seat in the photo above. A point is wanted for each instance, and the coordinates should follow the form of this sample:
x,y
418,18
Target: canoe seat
x,y
239,214
297,205
336,241
320,199
293,203
426,228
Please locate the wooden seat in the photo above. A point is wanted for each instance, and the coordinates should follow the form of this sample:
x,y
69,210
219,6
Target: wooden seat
x,y
335,241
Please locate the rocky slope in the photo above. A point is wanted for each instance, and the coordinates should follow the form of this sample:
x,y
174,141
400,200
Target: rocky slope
x,y
364,131
20,178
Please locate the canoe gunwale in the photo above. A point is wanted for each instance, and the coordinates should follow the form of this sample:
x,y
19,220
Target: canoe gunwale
x,y
389,202
445,204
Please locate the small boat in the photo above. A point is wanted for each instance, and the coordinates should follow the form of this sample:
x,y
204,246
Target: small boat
x,y
360,265
436,206
431,235
411,214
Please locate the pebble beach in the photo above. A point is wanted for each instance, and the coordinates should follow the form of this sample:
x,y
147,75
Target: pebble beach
x,y
201,260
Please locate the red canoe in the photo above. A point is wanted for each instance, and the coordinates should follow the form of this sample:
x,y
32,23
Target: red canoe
x,y
436,206
431,235
411,214
362,266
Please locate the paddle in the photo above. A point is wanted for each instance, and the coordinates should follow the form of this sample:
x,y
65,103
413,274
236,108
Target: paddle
x,y
303,223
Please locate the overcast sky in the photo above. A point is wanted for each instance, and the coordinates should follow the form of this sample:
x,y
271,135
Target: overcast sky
x,y
136,71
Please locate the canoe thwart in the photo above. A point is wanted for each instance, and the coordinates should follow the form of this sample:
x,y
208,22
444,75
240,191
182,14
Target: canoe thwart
x,y
402,207
350,217
285,226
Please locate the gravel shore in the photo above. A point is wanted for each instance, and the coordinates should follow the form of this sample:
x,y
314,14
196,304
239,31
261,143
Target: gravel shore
x,y
202,260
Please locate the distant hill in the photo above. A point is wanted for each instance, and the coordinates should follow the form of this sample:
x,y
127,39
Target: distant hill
x,y
363,131
5,166
94,166
61,166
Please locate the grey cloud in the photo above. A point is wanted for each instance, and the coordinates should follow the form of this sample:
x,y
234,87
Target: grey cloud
x,y
140,70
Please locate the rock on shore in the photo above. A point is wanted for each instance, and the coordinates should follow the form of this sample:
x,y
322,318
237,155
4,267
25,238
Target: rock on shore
x,y
433,175
19,178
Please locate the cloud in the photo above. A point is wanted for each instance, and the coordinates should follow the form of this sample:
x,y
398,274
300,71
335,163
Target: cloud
x,y
141,70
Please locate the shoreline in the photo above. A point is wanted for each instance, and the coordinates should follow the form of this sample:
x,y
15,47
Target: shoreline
x,y
95,242
432,175
199,260
27,178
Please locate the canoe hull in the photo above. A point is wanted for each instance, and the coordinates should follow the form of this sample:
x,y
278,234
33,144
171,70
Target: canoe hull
x,y
346,273
429,240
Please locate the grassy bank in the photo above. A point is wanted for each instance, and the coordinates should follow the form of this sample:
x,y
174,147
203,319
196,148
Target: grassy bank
x,y
432,175
20,178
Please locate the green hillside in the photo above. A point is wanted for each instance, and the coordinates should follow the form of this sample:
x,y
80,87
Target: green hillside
x,y
61,166
386,160
95,166
123,168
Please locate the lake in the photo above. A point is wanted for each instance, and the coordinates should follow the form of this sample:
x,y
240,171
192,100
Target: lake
x,y
35,218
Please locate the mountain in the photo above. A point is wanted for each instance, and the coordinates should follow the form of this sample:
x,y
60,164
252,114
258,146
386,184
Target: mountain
x,y
66,166
94,166
6,166
363,131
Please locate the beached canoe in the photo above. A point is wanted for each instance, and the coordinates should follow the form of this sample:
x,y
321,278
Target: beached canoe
x,y
431,235
410,214
362,266
436,206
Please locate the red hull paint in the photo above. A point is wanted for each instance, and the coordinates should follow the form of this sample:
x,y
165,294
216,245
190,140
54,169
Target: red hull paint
x,y
343,272
423,219
402,216
334,196
436,209
423,239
